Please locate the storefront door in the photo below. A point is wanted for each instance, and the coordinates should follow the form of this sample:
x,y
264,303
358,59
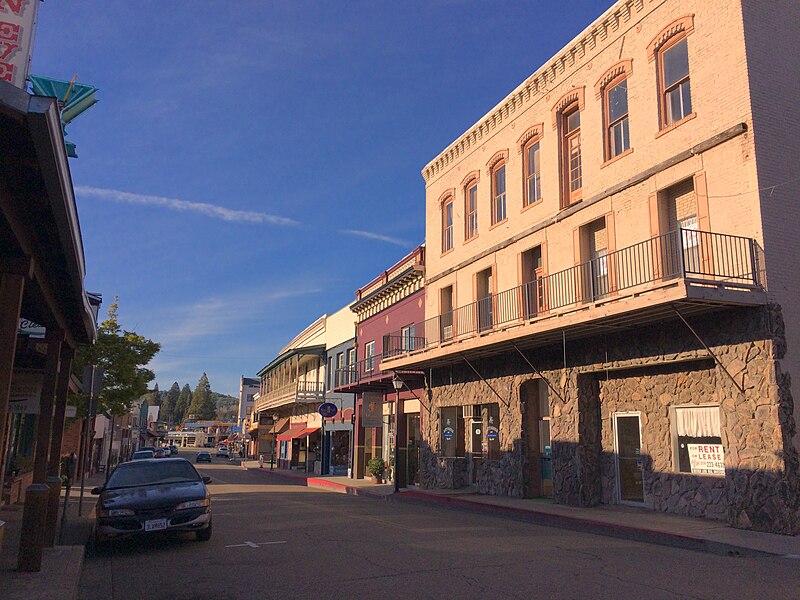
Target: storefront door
x,y
413,437
627,437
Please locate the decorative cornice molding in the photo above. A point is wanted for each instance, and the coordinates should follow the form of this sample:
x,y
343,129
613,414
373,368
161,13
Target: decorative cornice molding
x,y
471,176
683,25
623,67
539,83
535,131
500,155
576,94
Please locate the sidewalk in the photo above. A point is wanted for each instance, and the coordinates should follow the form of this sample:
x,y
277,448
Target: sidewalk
x,y
62,564
624,522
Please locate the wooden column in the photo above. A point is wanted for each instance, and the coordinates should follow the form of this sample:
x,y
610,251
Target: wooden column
x,y
54,462
12,286
44,424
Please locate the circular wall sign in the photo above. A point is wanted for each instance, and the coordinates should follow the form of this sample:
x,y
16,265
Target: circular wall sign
x,y
328,410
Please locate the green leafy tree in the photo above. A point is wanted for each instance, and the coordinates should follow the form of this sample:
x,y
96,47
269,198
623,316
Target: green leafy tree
x,y
182,404
202,406
123,356
170,402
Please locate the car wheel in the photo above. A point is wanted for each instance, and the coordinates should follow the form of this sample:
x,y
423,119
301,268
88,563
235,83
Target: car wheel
x,y
204,534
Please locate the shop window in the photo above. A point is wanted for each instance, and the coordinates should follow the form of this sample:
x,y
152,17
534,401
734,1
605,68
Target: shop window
x,y
451,426
492,429
698,442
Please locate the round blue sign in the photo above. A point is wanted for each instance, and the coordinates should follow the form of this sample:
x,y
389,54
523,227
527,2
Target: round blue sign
x,y
328,410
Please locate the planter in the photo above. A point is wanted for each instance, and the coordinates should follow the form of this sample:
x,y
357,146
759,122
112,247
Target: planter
x,y
376,479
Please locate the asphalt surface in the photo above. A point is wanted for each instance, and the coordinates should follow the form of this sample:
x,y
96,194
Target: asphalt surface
x,y
276,540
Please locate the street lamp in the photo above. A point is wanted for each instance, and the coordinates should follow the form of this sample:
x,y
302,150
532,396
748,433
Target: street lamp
x,y
397,384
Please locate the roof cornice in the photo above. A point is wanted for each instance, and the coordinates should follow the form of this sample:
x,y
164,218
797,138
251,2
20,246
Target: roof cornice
x,y
538,84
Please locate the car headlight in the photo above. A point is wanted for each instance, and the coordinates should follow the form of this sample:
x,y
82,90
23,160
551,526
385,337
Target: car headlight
x,y
193,504
116,512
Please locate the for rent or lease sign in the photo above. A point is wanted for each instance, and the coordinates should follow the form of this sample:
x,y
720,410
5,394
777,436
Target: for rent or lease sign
x,y
17,22
707,458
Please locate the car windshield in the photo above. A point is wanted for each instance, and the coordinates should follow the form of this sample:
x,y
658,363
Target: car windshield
x,y
135,474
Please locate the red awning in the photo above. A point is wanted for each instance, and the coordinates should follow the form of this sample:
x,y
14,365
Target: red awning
x,y
293,432
307,431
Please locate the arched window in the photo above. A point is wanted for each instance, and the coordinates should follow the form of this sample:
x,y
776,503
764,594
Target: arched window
x,y
499,192
447,224
471,209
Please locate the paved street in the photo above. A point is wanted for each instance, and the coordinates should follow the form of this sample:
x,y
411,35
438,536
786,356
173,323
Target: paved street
x,y
273,540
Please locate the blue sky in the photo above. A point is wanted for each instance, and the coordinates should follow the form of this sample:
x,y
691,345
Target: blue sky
x,y
250,164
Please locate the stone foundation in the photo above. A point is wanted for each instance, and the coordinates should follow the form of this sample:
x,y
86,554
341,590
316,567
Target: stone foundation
x,y
647,370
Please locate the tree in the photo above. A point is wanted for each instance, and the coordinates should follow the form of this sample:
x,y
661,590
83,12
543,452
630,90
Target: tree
x,y
202,406
156,399
170,403
182,404
123,356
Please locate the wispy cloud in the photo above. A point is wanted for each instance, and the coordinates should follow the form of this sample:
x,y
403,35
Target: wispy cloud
x,y
210,210
211,316
376,236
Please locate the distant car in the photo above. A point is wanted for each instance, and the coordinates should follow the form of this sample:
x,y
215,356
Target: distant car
x,y
203,457
150,495
141,454
161,453
223,451
173,450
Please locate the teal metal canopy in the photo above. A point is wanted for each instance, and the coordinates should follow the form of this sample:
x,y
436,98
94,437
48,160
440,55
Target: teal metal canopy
x,y
73,99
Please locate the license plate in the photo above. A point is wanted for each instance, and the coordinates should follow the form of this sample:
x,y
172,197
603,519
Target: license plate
x,y
155,525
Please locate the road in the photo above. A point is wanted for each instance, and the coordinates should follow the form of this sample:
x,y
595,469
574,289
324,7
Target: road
x,y
275,540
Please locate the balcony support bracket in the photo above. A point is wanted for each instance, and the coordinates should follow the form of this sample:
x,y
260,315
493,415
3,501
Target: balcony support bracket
x,y
711,352
538,372
399,375
484,381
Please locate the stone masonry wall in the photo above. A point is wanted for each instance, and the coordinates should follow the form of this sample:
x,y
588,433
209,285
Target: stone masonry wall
x,y
647,370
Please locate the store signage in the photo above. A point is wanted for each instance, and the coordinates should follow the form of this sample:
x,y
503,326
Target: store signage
x,y
448,433
17,24
707,458
328,410
26,392
31,329
372,410
491,432
71,411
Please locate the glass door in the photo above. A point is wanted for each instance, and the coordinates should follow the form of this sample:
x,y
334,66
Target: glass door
x,y
630,465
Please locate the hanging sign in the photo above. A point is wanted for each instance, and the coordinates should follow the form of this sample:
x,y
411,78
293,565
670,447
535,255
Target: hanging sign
x,y
328,410
17,23
372,410
707,458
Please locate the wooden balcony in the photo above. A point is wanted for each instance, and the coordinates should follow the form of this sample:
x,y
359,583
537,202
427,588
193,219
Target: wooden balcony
x,y
692,271
297,392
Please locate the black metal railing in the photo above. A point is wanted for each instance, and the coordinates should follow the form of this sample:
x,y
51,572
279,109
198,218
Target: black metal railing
x,y
700,256
366,368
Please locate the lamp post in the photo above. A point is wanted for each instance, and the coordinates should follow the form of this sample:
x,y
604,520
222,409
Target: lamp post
x,y
397,384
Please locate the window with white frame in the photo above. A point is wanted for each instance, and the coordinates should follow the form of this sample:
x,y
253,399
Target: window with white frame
x,y
698,441
369,356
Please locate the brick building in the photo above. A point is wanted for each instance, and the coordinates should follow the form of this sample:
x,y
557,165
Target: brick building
x,y
388,419
611,294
